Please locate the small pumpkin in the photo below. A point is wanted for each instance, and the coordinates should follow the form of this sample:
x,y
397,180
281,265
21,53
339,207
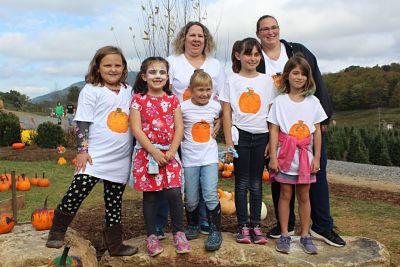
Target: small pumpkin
x,y
16,146
65,261
186,94
34,180
227,204
7,223
4,185
249,102
61,149
299,130
43,182
265,175
117,121
201,132
42,219
220,165
23,183
61,161
226,174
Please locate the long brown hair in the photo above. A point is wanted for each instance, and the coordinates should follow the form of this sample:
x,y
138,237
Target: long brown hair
x,y
93,76
244,46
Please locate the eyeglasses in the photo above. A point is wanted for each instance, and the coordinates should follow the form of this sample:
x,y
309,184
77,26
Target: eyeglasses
x,y
266,29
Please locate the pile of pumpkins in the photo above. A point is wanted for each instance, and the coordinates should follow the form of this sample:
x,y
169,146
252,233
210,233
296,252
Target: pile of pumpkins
x,y
23,183
226,169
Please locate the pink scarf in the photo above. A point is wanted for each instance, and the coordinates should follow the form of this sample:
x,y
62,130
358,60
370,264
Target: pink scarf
x,y
289,144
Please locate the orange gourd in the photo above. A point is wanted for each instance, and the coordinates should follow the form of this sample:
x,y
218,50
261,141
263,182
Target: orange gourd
x,y
229,167
62,161
186,94
42,219
299,130
226,174
7,223
4,185
61,149
227,203
220,165
201,132
43,182
265,176
34,180
249,102
23,183
117,121
16,146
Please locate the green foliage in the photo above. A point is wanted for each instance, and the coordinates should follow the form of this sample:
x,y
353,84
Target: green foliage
x,y
357,151
73,94
14,99
336,143
9,129
379,153
49,135
394,149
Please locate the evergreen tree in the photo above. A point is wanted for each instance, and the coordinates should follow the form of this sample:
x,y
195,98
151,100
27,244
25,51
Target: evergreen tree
x,y
379,153
357,151
394,150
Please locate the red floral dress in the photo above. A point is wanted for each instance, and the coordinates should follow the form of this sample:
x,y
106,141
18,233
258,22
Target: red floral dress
x,y
157,116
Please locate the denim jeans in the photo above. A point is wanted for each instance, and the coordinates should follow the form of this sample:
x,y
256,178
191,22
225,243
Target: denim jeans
x,y
204,178
249,167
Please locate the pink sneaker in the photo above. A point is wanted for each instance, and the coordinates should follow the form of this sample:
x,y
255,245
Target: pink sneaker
x,y
181,243
153,245
243,235
257,236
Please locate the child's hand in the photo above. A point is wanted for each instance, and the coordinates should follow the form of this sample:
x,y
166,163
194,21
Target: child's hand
x,y
217,127
228,156
266,152
81,161
159,157
315,166
170,155
274,165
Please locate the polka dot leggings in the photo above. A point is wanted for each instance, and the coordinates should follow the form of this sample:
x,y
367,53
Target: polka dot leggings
x,y
80,189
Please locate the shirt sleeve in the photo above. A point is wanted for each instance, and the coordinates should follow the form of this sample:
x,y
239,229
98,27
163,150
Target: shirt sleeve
x,y
224,94
272,117
221,81
86,104
320,114
136,103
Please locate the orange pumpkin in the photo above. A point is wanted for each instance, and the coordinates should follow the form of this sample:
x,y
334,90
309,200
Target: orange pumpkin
x,y
226,174
227,203
23,183
265,175
42,219
61,161
18,146
34,180
249,102
201,132
277,78
4,185
117,121
7,223
229,167
43,182
299,130
186,94
61,149
220,165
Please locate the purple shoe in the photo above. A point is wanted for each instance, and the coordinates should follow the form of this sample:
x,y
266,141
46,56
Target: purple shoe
x,y
153,245
257,236
243,236
181,243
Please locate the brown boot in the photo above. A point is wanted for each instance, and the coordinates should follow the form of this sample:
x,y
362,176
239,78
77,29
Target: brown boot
x,y
61,221
113,239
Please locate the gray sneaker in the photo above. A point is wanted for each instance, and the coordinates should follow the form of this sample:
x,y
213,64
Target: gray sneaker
x,y
283,244
307,245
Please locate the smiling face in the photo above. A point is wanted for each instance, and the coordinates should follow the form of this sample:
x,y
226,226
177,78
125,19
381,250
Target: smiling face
x,y
201,94
268,32
194,41
156,77
249,62
111,69
297,79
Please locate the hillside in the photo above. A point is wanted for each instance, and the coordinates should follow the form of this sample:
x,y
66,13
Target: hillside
x,y
368,117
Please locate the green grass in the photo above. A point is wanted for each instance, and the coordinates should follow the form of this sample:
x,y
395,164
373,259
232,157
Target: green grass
x,y
367,117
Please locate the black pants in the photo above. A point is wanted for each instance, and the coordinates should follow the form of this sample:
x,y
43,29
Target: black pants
x,y
150,203
80,188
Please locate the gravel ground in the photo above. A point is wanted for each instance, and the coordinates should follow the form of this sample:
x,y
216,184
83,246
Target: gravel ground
x,y
389,174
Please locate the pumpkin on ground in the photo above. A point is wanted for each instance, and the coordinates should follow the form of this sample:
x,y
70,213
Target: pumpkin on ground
x,y
265,175
23,183
42,219
264,210
229,167
201,132
220,165
7,223
4,185
34,180
43,182
249,102
227,202
186,94
299,130
62,161
117,121
61,149
65,261
16,146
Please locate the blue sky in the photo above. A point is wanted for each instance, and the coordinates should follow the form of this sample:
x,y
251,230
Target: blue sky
x,y
46,45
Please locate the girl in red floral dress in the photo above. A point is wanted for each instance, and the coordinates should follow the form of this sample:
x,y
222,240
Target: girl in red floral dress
x,y
157,125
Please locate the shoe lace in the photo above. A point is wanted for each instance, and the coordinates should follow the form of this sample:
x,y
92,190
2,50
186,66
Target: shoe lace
x,y
307,240
257,230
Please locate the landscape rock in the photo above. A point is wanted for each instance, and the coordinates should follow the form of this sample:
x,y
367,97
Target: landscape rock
x,y
359,251
25,246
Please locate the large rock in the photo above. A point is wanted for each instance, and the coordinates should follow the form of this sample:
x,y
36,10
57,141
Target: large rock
x,y
359,251
25,246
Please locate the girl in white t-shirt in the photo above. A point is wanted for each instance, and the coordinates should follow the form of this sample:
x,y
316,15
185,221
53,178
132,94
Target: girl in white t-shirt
x,y
200,158
245,106
104,143
295,145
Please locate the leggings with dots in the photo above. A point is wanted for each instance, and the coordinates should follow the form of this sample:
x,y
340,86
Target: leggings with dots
x,y
80,189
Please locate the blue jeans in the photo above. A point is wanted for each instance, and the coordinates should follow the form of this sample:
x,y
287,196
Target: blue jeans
x,y
319,198
204,178
249,167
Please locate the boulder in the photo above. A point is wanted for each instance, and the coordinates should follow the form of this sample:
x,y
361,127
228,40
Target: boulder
x,y
359,251
25,246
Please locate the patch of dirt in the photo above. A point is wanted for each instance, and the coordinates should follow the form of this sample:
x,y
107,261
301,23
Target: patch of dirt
x,y
34,153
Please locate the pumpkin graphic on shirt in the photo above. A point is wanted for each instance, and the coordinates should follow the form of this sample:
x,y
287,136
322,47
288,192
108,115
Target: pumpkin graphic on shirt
x,y
299,130
201,132
186,94
117,121
277,78
250,101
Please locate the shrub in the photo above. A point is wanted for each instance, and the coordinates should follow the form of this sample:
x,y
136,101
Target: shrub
x,y
70,138
27,136
9,129
49,135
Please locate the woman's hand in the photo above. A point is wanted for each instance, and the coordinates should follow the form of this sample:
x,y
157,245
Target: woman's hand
x,y
159,157
81,161
315,165
274,165
170,155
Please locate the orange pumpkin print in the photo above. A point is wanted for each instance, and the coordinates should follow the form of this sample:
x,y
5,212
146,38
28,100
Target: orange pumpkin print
x,y
186,94
117,121
299,130
277,78
201,132
249,102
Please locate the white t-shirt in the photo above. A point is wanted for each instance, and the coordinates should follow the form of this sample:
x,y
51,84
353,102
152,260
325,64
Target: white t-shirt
x,y
250,99
110,137
180,71
297,119
198,147
273,67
